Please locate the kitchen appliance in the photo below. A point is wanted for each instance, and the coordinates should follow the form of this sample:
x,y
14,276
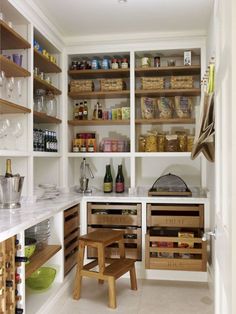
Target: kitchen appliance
x,y
84,180
169,185
10,191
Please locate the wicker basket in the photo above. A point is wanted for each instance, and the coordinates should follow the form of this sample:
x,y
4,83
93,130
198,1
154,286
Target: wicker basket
x,y
181,82
112,85
152,82
81,86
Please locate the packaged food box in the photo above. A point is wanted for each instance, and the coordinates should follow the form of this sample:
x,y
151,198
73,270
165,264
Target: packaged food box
x,y
125,113
114,114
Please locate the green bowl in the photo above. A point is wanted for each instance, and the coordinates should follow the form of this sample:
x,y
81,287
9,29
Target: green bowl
x,y
29,250
41,279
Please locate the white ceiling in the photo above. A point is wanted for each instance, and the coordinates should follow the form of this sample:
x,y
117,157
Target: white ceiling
x,y
76,18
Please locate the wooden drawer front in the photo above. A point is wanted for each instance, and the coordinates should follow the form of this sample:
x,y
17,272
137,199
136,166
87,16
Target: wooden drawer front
x,y
71,243
175,215
114,252
172,257
70,261
71,220
114,214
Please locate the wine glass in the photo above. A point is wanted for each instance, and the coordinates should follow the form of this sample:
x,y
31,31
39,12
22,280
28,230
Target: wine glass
x,y
10,86
4,128
2,78
19,88
17,131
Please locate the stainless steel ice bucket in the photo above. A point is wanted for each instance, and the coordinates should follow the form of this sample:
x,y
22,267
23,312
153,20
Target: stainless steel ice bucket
x,y
10,191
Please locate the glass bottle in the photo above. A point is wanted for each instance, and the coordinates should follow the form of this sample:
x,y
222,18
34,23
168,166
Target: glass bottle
x,y
95,111
76,111
81,110
85,111
120,182
108,182
51,104
99,111
8,173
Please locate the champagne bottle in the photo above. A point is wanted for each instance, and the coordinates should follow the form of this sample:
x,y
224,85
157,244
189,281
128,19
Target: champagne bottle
x,y
8,169
120,182
108,182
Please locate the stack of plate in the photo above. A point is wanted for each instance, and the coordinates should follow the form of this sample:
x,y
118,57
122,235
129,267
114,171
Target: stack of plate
x,y
40,232
50,191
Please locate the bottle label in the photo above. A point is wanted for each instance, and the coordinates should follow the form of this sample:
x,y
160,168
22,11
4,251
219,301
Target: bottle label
x,y
120,187
107,187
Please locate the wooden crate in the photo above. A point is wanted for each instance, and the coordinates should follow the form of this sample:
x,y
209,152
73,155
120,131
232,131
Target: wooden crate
x,y
111,214
175,215
71,237
112,85
113,252
77,86
149,83
197,255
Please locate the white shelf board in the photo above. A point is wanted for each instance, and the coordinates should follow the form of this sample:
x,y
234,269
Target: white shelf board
x,y
14,153
122,154
163,154
46,154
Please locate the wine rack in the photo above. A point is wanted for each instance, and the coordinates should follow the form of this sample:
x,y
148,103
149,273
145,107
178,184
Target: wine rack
x,y
9,278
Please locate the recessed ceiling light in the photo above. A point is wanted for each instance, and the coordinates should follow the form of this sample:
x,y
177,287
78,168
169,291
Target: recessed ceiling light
x,y
122,1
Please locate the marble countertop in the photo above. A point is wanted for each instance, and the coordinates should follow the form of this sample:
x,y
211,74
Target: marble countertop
x,y
13,221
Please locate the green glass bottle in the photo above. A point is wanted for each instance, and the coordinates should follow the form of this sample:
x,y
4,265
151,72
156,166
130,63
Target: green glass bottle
x,y
108,182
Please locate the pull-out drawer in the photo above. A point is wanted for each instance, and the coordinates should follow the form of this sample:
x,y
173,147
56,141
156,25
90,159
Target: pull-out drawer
x,y
175,215
175,253
71,220
132,240
114,214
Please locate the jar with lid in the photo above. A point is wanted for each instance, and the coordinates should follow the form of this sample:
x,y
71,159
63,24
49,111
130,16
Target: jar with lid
x,y
39,100
151,142
124,63
114,64
51,104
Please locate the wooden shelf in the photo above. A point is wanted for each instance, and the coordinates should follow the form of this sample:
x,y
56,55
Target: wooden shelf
x,y
176,70
169,92
100,95
11,69
10,39
41,117
41,257
98,122
165,121
44,64
9,107
99,73
163,154
38,83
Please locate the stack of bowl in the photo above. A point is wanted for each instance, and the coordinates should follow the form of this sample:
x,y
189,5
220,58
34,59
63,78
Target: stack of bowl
x,y
40,232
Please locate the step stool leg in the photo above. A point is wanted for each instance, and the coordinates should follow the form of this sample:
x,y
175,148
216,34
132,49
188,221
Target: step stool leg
x,y
112,292
101,261
133,280
78,277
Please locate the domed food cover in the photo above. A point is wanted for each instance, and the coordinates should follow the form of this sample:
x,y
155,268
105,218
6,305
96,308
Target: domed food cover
x,y
169,185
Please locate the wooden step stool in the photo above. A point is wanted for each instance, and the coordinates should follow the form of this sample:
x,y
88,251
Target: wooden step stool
x,y
100,239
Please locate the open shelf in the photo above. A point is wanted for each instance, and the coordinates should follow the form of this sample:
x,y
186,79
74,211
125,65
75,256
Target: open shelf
x,y
38,83
13,153
10,107
163,154
165,121
46,154
176,70
11,69
44,64
100,154
169,92
10,39
99,73
98,122
100,95
41,257
41,117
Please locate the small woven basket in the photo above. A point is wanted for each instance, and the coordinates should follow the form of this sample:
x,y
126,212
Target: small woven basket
x,y
112,85
152,82
81,86
181,82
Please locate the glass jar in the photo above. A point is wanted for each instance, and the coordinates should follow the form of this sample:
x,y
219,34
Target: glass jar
x,y
51,104
151,143
39,100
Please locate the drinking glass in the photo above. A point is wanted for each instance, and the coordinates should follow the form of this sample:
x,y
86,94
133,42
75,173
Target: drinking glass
x,y
4,129
19,88
17,131
2,78
10,86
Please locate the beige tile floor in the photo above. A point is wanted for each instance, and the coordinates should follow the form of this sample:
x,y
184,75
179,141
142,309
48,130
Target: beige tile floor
x,y
153,296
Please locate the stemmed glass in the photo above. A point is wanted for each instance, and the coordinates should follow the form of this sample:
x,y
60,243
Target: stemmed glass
x,y
2,78
4,128
17,131
19,88
10,86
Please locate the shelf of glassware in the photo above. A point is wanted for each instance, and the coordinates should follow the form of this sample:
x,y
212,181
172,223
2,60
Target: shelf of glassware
x,y
7,107
100,154
42,117
11,69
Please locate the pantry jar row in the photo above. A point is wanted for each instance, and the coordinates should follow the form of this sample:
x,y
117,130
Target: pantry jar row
x,y
160,142
97,63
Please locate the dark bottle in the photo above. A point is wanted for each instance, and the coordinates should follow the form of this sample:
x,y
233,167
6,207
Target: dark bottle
x,y
19,311
108,182
8,169
9,283
81,110
85,111
120,182
20,259
99,111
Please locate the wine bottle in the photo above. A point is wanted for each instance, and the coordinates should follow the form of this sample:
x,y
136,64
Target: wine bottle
x,y
8,169
20,259
85,112
120,182
108,182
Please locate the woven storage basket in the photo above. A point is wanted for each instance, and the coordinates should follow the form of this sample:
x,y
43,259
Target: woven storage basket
x,y
81,86
181,82
152,82
112,85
